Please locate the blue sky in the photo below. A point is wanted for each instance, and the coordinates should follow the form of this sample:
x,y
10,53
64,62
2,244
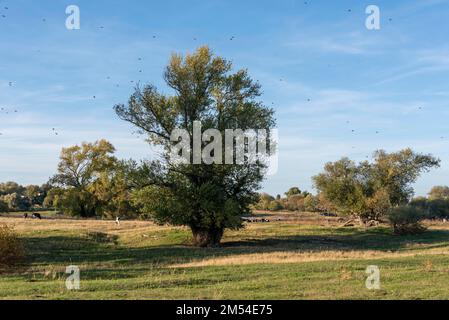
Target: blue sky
x,y
321,69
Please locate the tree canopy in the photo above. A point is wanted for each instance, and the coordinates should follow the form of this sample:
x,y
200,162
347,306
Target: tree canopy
x,y
368,190
206,197
90,182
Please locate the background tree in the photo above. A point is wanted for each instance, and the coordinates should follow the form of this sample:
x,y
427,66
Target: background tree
x,y
368,190
294,203
311,203
207,198
436,205
397,171
78,169
340,185
3,206
112,192
264,201
439,192
16,202
292,191
11,187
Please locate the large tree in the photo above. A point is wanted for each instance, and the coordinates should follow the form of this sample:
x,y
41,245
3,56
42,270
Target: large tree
x,y
206,197
368,190
79,168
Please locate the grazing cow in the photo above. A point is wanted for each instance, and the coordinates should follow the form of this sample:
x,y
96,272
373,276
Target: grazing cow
x,y
37,216
254,220
327,214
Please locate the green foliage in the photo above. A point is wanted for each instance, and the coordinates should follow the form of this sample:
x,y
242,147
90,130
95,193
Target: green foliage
x,y
341,185
73,202
264,201
19,198
434,207
292,191
90,182
80,165
294,202
36,194
311,203
376,206
3,206
112,193
396,172
275,205
207,198
16,201
368,190
439,193
406,220
10,188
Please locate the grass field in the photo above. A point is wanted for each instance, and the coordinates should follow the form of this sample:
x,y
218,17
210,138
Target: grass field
x,y
304,256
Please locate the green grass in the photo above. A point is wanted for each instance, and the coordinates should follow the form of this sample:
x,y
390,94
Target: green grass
x,y
139,260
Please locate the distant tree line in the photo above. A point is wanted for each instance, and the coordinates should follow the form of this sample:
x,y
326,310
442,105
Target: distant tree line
x,y
15,197
91,182
294,200
436,204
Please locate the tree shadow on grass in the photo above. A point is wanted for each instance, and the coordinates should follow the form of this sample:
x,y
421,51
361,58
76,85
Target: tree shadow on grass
x,y
103,249
355,240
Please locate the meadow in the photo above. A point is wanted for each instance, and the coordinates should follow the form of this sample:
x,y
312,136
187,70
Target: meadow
x,y
294,256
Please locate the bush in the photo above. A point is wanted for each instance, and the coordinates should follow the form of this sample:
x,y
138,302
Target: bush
x,y
294,202
435,208
406,220
311,203
11,249
264,201
275,206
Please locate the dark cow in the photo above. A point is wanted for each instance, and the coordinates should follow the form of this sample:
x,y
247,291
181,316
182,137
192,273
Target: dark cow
x,y
37,216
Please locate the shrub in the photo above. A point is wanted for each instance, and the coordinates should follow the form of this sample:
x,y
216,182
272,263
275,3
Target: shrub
x,y
311,203
294,202
435,208
406,220
11,249
264,201
275,206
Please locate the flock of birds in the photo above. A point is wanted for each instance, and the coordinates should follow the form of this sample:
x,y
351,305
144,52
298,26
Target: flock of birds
x,y
55,132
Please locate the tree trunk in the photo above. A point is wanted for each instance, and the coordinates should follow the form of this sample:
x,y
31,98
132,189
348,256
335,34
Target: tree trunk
x,y
207,237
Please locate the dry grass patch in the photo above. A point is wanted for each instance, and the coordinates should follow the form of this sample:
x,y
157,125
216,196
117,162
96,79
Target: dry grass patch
x,y
303,257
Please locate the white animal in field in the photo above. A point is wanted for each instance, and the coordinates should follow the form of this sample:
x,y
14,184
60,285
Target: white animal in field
x,y
117,221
